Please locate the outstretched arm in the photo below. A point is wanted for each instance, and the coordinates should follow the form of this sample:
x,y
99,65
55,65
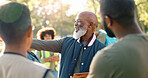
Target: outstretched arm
x,y
47,45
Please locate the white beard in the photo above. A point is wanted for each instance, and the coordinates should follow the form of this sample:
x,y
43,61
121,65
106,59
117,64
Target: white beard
x,y
81,32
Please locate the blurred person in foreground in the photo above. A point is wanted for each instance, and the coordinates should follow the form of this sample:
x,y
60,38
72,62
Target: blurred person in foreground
x,y
30,55
47,58
128,57
77,52
16,32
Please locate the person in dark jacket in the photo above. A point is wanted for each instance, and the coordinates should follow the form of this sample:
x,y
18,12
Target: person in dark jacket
x,y
77,51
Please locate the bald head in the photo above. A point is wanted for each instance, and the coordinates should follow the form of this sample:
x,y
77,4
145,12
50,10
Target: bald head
x,y
85,24
90,17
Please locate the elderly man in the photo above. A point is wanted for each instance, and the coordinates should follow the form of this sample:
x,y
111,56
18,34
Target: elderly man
x,y
128,57
16,31
76,54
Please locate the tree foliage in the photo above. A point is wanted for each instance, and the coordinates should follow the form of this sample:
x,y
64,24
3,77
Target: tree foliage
x,y
141,12
93,6
50,13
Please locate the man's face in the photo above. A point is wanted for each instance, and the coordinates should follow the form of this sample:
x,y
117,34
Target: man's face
x,y
109,32
80,26
47,37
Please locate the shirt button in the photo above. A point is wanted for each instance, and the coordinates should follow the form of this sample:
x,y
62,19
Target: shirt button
x,y
82,63
74,59
80,45
84,48
69,74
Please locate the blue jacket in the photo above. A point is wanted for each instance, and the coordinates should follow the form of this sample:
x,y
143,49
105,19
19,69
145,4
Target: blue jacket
x,y
70,52
109,40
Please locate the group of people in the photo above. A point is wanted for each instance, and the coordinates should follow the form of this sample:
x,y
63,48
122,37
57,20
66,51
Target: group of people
x,y
127,58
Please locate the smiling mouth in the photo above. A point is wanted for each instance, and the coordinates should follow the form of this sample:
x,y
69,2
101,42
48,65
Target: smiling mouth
x,y
76,28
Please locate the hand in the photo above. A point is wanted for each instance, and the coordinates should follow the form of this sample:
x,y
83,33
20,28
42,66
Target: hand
x,y
47,59
71,77
52,58
80,75
55,58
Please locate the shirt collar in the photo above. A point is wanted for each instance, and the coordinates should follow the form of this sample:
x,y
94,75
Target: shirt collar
x,y
91,40
13,53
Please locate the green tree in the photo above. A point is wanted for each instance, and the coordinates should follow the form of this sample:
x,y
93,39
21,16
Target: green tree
x,y
93,6
141,12
50,13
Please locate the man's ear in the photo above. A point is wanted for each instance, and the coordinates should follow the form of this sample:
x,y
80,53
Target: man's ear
x,y
108,21
29,33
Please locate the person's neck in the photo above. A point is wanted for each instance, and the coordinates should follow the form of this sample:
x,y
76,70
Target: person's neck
x,y
86,37
122,32
20,49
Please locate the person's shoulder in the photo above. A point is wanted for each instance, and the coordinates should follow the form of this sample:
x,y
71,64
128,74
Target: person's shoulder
x,y
99,43
37,65
28,65
34,67
22,65
115,51
69,39
109,55
116,47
